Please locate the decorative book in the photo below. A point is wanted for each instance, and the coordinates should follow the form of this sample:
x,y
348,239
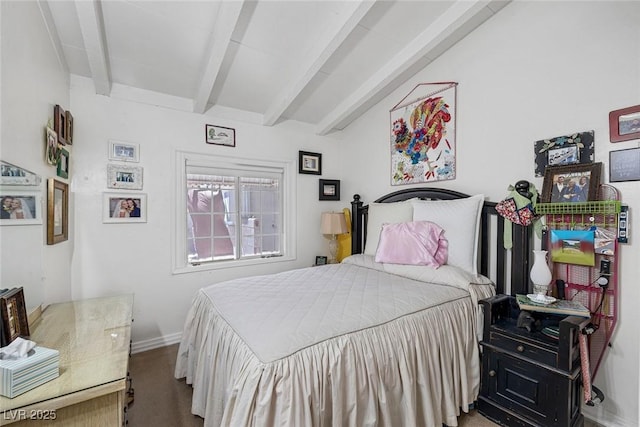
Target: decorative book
x,y
567,308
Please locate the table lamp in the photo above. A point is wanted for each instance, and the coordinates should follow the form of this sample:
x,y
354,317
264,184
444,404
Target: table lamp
x,y
333,223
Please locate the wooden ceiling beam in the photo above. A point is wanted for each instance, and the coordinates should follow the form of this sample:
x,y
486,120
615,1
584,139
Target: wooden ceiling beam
x,y
448,29
225,24
92,29
317,58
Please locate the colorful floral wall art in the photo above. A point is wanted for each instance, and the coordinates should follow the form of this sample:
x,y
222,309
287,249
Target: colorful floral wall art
x,y
423,135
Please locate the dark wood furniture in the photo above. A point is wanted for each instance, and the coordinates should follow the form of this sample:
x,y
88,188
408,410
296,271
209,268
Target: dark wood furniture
x,y
492,255
528,378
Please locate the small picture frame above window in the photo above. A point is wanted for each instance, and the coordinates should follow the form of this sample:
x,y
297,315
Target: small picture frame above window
x,y
220,135
309,163
124,151
125,177
329,189
624,124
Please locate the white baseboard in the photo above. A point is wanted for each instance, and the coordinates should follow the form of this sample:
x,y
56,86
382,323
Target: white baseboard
x,y
140,346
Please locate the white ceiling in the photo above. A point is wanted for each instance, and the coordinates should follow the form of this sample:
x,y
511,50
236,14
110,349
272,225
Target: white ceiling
x,y
319,62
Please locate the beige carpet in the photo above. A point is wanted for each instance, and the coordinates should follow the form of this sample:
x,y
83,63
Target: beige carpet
x,y
161,400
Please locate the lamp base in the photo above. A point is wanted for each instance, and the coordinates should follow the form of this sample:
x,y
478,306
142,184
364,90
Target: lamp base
x,y
333,250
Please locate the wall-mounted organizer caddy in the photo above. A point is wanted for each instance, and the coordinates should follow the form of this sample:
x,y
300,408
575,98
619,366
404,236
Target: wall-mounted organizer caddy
x,y
594,284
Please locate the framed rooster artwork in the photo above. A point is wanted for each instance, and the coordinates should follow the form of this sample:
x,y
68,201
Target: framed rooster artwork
x,y
423,135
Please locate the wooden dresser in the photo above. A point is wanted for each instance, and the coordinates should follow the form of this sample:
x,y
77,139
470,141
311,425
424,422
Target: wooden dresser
x,y
93,337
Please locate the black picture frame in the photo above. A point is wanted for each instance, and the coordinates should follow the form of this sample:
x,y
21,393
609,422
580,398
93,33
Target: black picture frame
x,y
309,163
329,189
13,313
574,173
624,165
220,135
321,260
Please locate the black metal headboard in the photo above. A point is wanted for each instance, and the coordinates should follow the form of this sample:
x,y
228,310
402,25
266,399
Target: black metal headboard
x,y
490,243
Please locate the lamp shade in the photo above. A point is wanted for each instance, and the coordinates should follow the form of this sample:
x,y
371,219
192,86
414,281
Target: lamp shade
x,y
333,223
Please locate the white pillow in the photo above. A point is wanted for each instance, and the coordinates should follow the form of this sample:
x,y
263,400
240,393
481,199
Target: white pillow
x,y
380,213
460,219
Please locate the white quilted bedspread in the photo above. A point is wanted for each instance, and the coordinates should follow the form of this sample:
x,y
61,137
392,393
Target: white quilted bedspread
x,y
352,344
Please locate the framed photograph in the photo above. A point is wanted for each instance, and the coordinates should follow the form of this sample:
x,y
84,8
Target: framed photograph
x,y
576,148
51,149
219,135
321,260
624,124
20,207
57,211
329,189
126,177
124,151
63,164
69,135
309,163
15,175
624,165
13,313
124,207
60,124
570,184
573,247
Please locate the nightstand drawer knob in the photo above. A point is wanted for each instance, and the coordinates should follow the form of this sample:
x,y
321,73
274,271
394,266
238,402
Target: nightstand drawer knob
x,y
520,348
492,373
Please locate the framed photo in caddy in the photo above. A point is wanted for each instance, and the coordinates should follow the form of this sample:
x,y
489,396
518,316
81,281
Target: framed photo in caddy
x,y
571,183
13,316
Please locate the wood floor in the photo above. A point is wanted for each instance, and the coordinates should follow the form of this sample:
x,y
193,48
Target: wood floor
x,y
161,400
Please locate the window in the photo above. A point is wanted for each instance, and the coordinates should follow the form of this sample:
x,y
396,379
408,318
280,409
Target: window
x,y
231,212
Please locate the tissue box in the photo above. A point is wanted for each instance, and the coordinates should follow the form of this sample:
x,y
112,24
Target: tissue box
x,y
21,375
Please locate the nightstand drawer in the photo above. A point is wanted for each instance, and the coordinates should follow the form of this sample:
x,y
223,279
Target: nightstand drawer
x,y
528,350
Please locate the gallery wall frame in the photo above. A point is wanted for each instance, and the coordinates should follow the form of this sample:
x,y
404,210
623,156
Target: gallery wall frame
x,y
572,183
624,124
309,163
124,207
60,124
69,128
329,189
124,177
124,151
11,174
220,135
57,211
20,207
624,165
52,147
63,164
575,148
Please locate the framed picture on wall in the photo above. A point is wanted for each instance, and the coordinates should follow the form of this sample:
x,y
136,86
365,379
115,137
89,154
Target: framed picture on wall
x,y
624,124
124,207
126,177
220,135
329,189
20,207
63,164
60,124
124,151
57,211
309,163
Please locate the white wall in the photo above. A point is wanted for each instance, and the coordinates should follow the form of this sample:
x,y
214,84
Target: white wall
x,y
116,258
536,70
33,82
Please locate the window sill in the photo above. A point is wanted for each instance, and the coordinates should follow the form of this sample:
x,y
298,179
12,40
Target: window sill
x,y
208,266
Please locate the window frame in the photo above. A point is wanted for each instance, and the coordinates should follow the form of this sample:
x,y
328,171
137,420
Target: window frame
x,y
179,217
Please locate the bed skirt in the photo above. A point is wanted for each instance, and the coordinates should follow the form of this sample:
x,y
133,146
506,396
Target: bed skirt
x,y
418,370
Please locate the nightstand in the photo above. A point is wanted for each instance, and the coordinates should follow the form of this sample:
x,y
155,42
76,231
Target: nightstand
x,y
529,378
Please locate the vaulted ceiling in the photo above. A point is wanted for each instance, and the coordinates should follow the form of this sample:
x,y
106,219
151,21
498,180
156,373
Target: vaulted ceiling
x,y
318,62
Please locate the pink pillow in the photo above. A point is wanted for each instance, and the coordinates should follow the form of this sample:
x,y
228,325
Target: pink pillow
x,y
413,243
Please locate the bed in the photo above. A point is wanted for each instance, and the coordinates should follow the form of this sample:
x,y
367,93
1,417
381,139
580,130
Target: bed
x,y
360,343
